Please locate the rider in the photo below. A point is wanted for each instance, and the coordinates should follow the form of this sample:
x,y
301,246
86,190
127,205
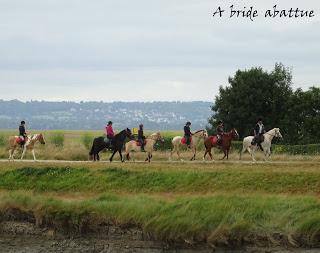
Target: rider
x,y
22,133
141,137
220,132
187,133
258,134
110,133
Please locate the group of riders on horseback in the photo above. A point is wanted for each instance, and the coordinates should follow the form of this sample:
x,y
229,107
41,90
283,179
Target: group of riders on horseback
x,y
259,130
116,142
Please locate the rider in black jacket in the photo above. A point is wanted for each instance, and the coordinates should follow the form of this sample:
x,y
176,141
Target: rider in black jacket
x,y
141,137
187,133
259,130
22,133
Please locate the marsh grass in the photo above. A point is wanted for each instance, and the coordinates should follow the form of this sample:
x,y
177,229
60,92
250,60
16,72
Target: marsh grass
x,y
220,219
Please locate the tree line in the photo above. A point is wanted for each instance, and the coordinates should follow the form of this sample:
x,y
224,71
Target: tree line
x,y
256,93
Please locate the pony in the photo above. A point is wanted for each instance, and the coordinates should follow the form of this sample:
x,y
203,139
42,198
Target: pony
x,y
266,144
227,138
179,141
118,141
133,145
29,145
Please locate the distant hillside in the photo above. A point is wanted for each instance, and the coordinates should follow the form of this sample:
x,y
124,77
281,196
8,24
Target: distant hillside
x,y
94,115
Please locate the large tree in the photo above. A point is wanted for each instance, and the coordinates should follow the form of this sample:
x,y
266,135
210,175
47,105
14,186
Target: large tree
x,y
301,122
252,94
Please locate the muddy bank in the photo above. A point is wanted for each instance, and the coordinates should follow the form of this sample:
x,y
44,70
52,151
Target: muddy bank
x,y
29,232
26,237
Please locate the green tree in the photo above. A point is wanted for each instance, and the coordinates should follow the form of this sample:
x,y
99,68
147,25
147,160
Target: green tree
x,y
251,94
302,120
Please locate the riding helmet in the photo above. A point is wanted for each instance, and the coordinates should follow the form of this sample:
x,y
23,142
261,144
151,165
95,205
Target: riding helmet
x,y
23,122
220,122
110,123
259,119
188,123
141,125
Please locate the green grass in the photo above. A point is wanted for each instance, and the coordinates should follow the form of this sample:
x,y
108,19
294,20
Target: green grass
x,y
113,179
218,219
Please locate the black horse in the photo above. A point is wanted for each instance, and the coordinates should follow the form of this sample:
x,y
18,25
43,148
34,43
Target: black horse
x,y
118,142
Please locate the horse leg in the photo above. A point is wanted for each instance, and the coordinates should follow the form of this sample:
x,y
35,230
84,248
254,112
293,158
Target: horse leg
x,y
210,155
225,154
194,155
205,153
11,154
251,151
34,157
120,153
24,151
110,159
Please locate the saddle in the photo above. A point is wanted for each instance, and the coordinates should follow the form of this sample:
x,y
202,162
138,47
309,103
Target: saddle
x,y
214,140
18,140
138,143
184,140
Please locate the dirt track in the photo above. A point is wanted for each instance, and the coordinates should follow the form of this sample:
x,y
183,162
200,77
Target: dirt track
x,y
165,162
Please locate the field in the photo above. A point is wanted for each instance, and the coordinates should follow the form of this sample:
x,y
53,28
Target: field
x,y
199,206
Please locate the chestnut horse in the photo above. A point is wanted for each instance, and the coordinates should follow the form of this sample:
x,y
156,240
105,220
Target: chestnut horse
x,y
225,145
31,141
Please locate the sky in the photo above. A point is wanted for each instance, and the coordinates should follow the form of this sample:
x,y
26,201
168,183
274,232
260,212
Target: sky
x,y
146,50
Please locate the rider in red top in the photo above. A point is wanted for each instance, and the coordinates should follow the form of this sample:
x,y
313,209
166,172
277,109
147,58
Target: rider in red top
x,y
110,133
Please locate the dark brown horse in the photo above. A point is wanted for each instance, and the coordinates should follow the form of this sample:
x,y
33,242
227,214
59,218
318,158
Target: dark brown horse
x,y
210,142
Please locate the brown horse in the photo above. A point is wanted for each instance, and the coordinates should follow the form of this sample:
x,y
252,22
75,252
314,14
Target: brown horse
x,y
31,141
209,143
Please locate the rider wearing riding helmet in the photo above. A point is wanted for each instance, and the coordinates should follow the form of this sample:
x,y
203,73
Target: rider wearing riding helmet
x,y
110,133
220,132
187,133
141,137
259,130
22,133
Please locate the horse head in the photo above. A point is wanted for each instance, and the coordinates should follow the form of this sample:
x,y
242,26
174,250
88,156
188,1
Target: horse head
x,y
201,133
41,138
234,133
128,133
277,133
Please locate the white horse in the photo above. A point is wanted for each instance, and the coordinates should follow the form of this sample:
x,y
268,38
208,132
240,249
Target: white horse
x,y
148,147
31,141
177,143
266,144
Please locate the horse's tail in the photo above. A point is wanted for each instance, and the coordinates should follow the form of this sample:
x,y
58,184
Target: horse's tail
x,y
91,151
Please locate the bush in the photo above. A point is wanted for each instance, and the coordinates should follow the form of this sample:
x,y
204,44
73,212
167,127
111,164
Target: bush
x,y
2,140
57,139
309,149
87,140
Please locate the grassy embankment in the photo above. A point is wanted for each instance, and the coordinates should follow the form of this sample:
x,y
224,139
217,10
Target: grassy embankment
x,y
222,204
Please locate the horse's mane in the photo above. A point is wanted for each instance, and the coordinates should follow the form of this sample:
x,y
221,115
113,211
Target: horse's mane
x,y
118,134
198,131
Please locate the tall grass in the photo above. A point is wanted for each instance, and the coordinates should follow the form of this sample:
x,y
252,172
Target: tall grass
x,y
229,220
57,139
2,140
86,140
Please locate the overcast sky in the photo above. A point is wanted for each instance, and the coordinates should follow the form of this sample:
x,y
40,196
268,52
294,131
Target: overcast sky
x,y
146,50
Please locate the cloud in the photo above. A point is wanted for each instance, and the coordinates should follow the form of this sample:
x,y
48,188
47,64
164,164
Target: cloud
x,y
155,50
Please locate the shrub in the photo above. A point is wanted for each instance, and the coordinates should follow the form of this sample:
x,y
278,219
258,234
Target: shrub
x,y
57,139
2,140
87,140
